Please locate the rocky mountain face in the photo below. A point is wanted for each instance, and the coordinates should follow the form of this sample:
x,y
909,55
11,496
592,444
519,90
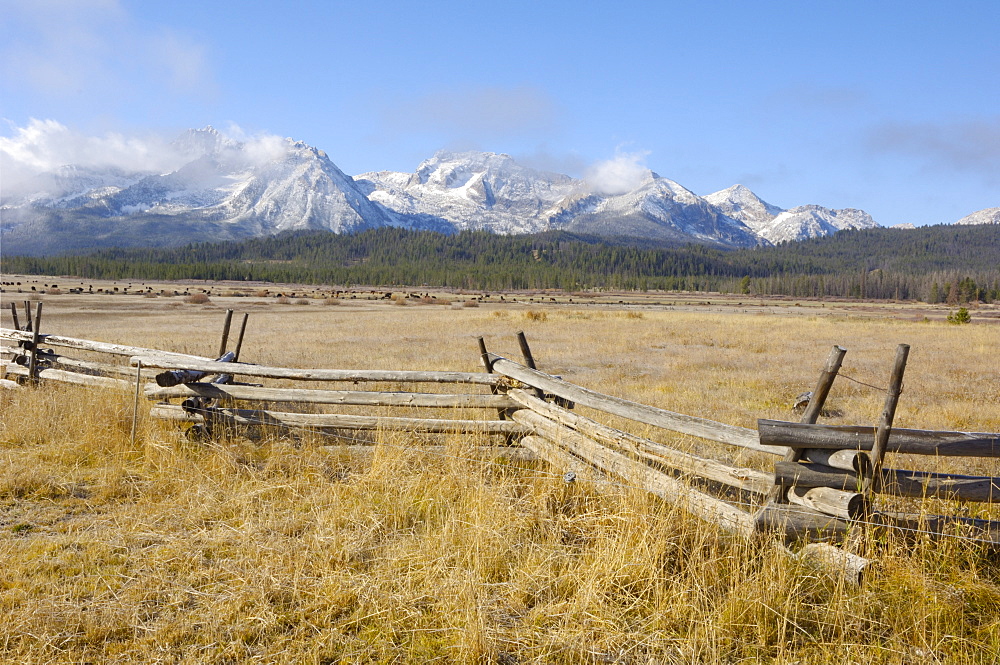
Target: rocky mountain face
x,y
221,189
776,225
984,216
492,192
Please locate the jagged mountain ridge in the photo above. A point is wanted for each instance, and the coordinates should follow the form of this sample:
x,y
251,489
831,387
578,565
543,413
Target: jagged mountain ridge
x,y
221,189
984,216
777,225
473,190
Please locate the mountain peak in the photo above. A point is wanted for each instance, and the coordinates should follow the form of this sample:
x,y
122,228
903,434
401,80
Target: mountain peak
x,y
742,204
195,143
219,188
984,216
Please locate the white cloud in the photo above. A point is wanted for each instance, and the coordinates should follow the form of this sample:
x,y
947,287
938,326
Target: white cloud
x,y
43,146
257,148
622,173
93,48
475,113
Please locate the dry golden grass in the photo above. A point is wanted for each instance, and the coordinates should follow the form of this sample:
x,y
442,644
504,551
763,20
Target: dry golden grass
x,y
278,551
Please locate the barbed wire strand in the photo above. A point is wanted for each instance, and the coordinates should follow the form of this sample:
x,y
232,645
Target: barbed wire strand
x,y
884,390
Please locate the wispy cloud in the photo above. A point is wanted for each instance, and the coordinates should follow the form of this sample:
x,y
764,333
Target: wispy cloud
x,y
45,145
622,173
475,114
65,48
971,146
42,146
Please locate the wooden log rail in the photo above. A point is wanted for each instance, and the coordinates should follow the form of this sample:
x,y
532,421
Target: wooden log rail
x,y
81,344
897,482
672,490
173,361
571,442
48,358
742,478
335,421
76,378
344,397
649,415
862,437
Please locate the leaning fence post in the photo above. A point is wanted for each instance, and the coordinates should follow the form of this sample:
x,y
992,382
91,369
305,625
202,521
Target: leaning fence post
x,y
811,415
225,332
13,311
239,340
484,356
135,403
888,413
529,360
33,358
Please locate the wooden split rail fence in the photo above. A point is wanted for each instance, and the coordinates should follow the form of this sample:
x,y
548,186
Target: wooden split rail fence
x,y
822,485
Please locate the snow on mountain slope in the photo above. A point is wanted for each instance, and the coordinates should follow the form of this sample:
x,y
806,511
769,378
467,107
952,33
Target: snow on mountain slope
x,y
210,187
776,225
232,189
984,216
301,190
812,221
658,208
471,190
740,203
476,190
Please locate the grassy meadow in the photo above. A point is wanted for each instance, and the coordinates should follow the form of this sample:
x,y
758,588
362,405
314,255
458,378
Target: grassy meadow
x,y
277,550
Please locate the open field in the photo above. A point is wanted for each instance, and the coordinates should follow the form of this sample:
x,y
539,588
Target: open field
x,y
276,550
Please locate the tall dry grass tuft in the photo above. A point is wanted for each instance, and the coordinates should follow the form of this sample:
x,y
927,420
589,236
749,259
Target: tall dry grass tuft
x,y
276,549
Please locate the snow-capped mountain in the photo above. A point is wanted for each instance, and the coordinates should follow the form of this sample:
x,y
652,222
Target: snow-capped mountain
x,y
740,203
657,208
471,190
290,186
216,188
223,189
812,221
984,216
475,190
776,225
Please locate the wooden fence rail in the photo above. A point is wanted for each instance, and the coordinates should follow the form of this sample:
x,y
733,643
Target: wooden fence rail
x,y
345,397
862,437
164,361
677,422
819,491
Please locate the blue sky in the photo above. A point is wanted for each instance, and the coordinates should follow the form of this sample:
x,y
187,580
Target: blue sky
x,y
892,107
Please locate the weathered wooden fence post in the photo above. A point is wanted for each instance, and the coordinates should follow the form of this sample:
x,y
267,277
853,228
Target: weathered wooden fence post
x,y
888,414
225,332
33,358
484,356
529,360
239,340
813,410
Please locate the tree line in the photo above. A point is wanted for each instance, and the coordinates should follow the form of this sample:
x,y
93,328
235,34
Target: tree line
x,y
934,264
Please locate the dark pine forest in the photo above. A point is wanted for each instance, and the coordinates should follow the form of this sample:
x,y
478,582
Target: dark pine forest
x,y
933,264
